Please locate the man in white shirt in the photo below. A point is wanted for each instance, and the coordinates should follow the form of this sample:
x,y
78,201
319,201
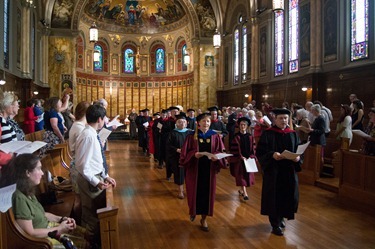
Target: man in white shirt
x,y
92,178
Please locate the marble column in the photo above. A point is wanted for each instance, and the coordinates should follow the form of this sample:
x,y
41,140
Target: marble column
x,y
25,42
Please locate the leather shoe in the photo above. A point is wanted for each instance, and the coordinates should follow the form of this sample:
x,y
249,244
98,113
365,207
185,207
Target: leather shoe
x,y
204,228
282,223
246,198
277,231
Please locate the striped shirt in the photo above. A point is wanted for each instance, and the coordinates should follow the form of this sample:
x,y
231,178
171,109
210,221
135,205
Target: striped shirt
x,y
7,132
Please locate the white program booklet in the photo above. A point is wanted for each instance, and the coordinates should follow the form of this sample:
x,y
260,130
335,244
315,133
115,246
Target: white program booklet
x,y
159,125
251,165
6,197
146,124
267,120
104,134
300,150
218,156
21,147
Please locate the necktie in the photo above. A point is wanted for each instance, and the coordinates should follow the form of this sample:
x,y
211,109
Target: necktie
x,y
103,156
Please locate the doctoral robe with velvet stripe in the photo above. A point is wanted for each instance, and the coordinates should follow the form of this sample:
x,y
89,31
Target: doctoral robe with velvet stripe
x,y
195,168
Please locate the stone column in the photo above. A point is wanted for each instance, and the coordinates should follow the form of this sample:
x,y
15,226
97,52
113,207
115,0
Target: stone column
x,y
25,42
43,49
254,50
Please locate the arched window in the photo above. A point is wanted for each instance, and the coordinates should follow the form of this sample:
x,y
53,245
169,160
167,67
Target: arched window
x,y
129,66
98,63
181,52
6,33
240,52
359,29
279,43
160,60
157,57
293,36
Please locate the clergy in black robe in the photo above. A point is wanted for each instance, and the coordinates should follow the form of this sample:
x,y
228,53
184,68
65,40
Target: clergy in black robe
x,y
280,182
200,171
174,144
242,147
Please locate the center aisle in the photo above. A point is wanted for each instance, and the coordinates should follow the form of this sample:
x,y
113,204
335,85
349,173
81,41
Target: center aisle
x,y
151,215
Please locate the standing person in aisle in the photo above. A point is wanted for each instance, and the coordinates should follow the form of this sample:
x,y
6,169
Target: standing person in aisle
x,y
200,170
280,194
242,148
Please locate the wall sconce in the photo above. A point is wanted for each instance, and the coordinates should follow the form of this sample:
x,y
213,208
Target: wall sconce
x,y
94,33
304,89
35,93
247,95
217,39
278,5
3,81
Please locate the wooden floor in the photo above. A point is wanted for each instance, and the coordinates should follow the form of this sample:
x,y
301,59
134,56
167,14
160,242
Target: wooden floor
x,y
151,216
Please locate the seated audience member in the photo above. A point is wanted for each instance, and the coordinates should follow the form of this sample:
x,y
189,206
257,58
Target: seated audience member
x,y
6,109
344,125
29,120
29,213
17,129
369,144
357,115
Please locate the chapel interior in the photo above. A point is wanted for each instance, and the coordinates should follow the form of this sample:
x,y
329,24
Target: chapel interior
x,y
159,53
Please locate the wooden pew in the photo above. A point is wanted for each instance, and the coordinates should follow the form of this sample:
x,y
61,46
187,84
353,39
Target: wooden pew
x,y
108,220
311,165
357,185
12,236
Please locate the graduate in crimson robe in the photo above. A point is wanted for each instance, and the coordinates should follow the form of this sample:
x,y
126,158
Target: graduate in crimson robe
x,y
280,194
242,147
151,144
200,171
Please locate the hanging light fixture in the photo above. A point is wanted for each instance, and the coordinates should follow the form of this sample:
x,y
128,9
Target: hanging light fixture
x,y
94,34
278,5
217,39
96,55
2,80
186,58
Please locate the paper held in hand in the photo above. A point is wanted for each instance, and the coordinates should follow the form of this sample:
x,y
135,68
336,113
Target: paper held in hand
x,y
6,197
361,134
115,122
267,120
300,150
250,165
104,134
146,124
218,156
22,147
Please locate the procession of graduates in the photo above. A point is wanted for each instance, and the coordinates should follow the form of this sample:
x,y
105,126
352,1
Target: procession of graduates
x,y
186,146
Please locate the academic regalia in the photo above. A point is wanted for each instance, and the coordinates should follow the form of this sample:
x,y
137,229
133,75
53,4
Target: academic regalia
x,y
151,145
168,126
191,123
242,146
200,174
133,126
156,136
231,126
142,133
218,125
280,194
175,141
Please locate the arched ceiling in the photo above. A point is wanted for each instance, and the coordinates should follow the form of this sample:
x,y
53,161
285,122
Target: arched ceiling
x,y
129,16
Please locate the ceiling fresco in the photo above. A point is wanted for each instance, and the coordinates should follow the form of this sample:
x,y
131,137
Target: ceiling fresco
x,y
129,16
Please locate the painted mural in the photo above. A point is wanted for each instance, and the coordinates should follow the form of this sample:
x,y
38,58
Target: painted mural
x,y
62,14
142,14
206,16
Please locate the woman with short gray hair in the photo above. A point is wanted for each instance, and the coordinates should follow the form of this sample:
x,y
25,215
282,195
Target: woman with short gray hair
x,y
6,109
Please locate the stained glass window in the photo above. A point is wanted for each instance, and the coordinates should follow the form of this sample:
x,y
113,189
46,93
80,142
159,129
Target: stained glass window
x,y
184,52
293,36
6,33
98,64
279,43
160,60
129,61
359,27
244,52
236,55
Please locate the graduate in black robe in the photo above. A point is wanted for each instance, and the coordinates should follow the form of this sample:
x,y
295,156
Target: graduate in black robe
x,y
174,144
168,126
216,124
142,131
280,194
191,119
